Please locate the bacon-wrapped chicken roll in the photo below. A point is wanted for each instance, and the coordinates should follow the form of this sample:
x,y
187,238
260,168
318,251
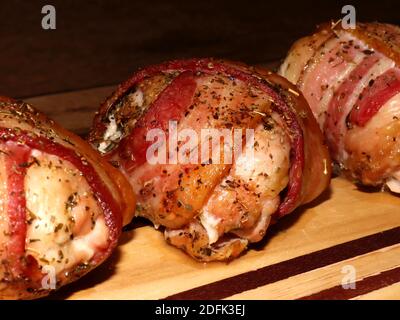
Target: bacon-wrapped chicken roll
x,y
213,209
61,204
351,79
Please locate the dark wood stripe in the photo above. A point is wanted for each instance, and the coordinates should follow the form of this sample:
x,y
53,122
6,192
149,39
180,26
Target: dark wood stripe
x,y
363,286
285,269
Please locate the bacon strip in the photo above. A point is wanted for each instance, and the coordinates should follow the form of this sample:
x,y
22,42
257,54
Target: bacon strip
x,y
17,156
337,110
375,96
170,105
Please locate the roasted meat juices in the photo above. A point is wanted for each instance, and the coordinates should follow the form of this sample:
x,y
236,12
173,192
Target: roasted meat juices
x,y
351,79
214,151
61,205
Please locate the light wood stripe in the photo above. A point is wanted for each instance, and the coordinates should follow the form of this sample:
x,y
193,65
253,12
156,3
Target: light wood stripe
x,y
363,286
391,292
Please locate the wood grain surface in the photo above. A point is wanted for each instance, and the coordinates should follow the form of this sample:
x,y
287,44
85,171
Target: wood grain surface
x,y
304,256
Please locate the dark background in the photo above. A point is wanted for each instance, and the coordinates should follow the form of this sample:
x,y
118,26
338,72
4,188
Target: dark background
x,y
99,43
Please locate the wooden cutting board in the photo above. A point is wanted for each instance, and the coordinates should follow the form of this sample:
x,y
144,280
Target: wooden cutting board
x,y
347,236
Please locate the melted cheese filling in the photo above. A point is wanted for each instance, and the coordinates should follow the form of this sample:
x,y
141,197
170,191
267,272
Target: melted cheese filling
x,y
113,133
393,183
210,223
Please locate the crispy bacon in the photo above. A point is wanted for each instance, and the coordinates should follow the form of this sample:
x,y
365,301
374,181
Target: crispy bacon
x,y
213,210
43,163
16,207
356,101
375,96
165,108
